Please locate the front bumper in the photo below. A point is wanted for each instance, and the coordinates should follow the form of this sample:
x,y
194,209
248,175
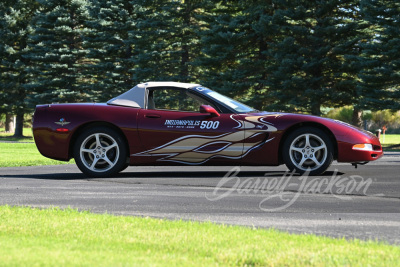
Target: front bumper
x,y
346,153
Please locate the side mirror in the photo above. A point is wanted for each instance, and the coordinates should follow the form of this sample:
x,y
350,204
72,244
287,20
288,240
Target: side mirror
x,y
210,110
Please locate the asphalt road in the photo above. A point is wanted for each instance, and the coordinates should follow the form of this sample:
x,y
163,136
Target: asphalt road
x,y
346,202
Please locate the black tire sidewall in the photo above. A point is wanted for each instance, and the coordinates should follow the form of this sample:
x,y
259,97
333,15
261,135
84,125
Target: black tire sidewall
x,y
121,162
311,130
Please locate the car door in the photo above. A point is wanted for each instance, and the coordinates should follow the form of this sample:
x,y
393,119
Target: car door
x,y
172,129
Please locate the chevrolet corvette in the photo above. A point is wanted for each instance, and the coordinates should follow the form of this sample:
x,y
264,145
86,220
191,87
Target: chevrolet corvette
x,y
169,123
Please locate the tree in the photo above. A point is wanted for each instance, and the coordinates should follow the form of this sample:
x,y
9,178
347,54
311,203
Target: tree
x,y
313,64
15,20
9,123
190,15
235,49
165,40
109,59
57,69
381,73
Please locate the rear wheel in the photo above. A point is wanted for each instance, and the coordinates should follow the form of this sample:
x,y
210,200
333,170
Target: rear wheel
x,y
124,167
308,149
100,152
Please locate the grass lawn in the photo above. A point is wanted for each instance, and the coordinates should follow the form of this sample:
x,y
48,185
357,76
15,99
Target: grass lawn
x,y
20,154
52,237
27,132
390,140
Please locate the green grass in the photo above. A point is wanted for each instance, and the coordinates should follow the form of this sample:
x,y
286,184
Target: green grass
x,y
53,237
390,140
27,133
20,154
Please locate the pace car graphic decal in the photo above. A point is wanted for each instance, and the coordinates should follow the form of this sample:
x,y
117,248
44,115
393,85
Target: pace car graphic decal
x,y
197,149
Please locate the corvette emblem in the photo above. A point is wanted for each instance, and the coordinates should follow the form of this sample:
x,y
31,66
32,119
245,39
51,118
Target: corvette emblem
x,y
62,122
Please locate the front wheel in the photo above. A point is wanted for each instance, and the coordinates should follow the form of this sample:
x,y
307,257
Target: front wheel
x,y
308,149
100,152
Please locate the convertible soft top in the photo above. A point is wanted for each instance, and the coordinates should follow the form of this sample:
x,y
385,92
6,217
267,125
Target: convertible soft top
x,y
136,97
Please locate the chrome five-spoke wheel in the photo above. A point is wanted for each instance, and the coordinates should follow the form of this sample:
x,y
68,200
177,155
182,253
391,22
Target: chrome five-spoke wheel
x,y
100,152
308,149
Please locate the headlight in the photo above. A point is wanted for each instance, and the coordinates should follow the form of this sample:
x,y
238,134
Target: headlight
x,y
364,147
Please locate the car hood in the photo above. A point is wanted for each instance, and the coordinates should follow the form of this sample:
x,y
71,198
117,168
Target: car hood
x,y
292,118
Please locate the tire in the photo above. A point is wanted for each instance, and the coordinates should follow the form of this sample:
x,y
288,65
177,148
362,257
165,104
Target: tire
x,y
308,149
100,152
124,167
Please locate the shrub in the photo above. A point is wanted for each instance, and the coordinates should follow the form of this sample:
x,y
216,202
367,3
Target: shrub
x,y
374,120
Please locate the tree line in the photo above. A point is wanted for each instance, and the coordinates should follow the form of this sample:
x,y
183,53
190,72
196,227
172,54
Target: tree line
x,y
275,55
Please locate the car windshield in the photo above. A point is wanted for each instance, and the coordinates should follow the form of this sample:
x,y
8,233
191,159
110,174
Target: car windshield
x,y
229,102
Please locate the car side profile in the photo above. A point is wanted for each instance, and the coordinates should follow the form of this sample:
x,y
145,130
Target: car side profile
x,y
169,123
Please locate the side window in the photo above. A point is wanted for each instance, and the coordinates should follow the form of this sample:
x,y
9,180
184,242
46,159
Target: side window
x,y
174,99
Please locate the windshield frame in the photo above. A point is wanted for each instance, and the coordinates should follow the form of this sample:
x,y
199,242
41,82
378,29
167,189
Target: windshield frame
x,y
233,105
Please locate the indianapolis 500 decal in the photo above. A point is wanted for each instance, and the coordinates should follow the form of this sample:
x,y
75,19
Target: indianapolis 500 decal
x,y
192,149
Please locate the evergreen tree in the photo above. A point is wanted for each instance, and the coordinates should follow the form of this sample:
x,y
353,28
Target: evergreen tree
x,y
154,55
381,73
165,40
3,26
15,19
314,60
109,60
274,54
283,55
190,21
57,70
235,49
353,31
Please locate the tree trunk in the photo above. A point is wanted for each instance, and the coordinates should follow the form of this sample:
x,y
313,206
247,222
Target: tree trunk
x,y
316,109
9,125
357,119
185,57
19,125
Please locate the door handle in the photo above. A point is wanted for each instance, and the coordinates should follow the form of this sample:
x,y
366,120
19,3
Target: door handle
x,y
152,116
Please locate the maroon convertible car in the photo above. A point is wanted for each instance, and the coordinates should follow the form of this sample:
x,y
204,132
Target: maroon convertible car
x,y
167,123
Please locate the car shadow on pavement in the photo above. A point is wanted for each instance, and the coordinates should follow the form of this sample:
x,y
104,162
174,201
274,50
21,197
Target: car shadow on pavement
x,y
160,175
211,174
47,176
